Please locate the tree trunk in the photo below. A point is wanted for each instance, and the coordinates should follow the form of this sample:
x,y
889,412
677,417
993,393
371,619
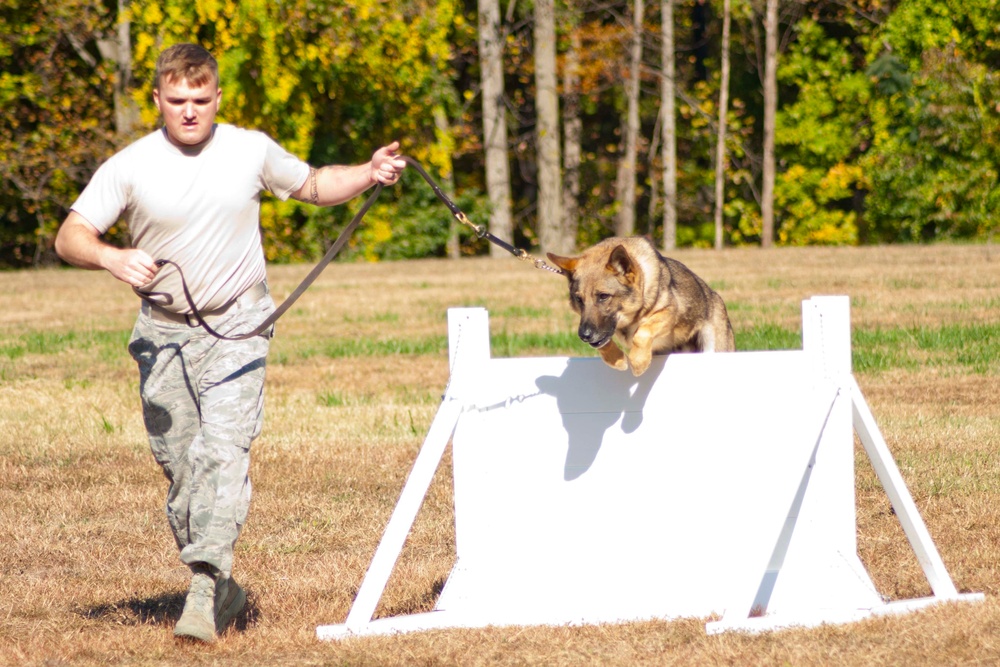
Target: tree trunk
x,y
770,111
625,221
669,127
720,145
494,123
453,249
118,49
550,231
572,132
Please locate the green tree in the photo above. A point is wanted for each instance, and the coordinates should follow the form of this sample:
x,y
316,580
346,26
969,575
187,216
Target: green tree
x,y
57,123
932,170
821,131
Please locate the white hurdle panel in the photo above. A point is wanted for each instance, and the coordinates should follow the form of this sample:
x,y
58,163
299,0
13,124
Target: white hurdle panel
x,y
715,484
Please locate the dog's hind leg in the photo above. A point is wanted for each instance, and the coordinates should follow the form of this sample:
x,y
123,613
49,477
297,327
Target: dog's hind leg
x,y
706,339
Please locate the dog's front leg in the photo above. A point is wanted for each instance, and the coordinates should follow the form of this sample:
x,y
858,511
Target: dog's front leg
x,y
640,354
613,356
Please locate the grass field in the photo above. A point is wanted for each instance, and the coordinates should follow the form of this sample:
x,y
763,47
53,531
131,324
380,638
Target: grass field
x,y
88,569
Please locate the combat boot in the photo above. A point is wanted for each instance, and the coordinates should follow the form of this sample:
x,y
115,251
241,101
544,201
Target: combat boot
x,y
197,621
229,601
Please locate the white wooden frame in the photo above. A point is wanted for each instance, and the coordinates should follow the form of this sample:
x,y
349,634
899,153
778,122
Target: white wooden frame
x,y
569,475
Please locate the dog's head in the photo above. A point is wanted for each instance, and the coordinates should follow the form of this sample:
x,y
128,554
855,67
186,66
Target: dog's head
x,y
605,288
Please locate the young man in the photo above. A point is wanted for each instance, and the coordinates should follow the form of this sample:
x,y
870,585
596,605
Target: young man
x,y
190,192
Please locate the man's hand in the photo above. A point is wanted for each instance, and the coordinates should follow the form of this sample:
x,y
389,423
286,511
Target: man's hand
x,y
130,265
335,184
79,243
386,165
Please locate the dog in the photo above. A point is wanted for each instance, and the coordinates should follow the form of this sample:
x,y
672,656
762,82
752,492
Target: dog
x,y
627,293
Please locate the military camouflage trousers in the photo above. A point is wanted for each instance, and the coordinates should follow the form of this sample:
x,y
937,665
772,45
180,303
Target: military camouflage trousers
x,y
203,404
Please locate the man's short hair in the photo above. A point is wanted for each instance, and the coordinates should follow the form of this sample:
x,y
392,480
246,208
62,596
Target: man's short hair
x,y
186,62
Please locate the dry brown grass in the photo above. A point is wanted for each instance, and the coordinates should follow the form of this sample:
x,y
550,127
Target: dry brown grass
x,y
88,570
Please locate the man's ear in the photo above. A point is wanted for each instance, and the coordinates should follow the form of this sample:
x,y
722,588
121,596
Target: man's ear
x,y
567,264
620,264
156,98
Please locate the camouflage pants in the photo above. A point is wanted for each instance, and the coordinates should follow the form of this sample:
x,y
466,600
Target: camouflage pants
x,y
203,404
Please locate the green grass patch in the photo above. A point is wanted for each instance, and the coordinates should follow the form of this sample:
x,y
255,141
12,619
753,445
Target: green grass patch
x,y
366,347
104,343
974,347
768,337
502,344
506,344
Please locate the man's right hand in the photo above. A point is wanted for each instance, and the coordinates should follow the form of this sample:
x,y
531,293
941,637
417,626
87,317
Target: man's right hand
x,y
79,243
130,265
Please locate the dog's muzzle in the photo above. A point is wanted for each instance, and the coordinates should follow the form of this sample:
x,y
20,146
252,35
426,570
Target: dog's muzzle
x,y
591,336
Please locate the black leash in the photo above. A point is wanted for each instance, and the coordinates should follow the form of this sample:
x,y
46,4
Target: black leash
x,y
293,297
480,230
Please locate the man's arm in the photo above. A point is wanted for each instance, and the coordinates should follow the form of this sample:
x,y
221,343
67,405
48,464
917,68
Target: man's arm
x,y
79,243
336,184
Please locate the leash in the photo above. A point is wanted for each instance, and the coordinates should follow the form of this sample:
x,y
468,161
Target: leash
x,y
480,231
293,297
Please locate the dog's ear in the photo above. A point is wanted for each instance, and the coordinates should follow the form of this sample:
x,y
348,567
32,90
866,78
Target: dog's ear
x,y
567,264
620,263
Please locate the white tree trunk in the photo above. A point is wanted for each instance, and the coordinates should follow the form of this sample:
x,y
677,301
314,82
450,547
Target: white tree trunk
x,y
770,111
550,231
625,220
494,122
118,49
720,145
572,132
669,127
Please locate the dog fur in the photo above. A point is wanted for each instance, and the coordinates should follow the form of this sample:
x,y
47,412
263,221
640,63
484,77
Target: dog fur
x,y
628,294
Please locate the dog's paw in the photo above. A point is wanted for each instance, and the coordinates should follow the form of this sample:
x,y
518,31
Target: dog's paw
x,y
618,364
614,357
638,368
639,363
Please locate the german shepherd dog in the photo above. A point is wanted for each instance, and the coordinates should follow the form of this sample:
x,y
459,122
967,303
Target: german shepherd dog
x,y
628,294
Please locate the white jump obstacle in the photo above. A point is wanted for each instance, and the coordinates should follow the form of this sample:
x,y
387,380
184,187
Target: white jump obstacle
x,y
715,484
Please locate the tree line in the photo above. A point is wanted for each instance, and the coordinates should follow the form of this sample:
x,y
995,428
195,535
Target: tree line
x,y
558,122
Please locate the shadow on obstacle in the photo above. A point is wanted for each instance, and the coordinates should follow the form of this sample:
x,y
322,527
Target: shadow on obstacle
x,y
585,441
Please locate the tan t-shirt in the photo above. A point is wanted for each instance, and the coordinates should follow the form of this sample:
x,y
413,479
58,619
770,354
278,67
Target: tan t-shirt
x,y
201,210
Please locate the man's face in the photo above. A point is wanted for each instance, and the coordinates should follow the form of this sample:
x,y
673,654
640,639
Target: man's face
x,y
188,111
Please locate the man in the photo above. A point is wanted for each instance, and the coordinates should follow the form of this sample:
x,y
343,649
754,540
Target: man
x,y
190,192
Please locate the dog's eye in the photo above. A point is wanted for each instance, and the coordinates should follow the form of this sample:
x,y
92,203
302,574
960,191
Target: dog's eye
x,y
603,298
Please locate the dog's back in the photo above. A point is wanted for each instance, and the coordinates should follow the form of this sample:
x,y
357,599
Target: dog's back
x,y
700,310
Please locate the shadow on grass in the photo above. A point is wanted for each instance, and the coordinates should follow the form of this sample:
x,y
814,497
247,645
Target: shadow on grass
x,y
161,610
